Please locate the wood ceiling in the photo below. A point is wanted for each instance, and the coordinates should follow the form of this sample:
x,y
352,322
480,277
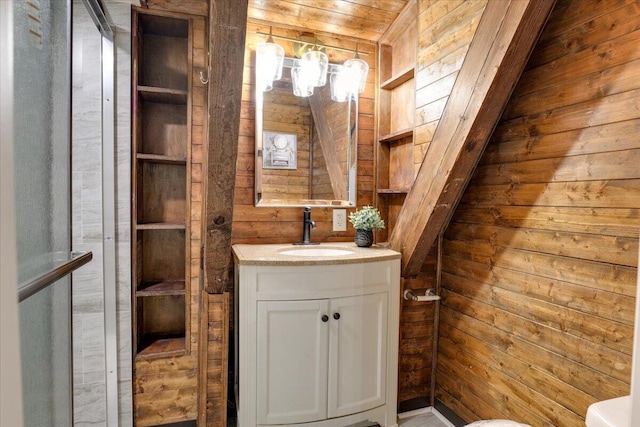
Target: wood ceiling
x,y
358,19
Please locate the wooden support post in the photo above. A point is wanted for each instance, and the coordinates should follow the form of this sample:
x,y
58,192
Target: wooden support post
x,y
227,27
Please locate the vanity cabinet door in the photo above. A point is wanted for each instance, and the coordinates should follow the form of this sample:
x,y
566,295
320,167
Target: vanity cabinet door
x,y
292,351
358,354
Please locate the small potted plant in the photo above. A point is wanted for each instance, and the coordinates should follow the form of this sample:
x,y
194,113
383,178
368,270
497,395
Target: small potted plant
x,y
365,221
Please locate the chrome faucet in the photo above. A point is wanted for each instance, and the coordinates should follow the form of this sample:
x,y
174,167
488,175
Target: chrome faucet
x,y
307,225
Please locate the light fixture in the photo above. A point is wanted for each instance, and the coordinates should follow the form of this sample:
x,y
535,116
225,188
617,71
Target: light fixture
x,y
357,71
315,64
269,61
310,71
300,81
339,85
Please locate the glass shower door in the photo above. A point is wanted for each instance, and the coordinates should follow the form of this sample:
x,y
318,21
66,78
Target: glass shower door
x,y
41,135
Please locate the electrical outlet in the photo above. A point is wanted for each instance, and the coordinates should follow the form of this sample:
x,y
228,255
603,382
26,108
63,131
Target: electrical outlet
x,y
339,220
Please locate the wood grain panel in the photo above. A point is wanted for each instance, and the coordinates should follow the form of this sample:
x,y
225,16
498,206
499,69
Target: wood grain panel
x,y
593,247
577,220
215,359
603,304
516,400
362,20
605,55
615,108
163,128
614,80
428,53
540,260
594,139
565,394
194,7
164,390
614,194
555,315
571,372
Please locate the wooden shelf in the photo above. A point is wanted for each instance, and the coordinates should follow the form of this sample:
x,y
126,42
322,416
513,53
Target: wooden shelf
x,y
398,79
159,158
161,226
167,287
153,346
163,95
395,136
392,191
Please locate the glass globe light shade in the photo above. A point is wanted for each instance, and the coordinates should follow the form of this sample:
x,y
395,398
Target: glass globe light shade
x,y
340,90
314,64
269,62
302,85
357,70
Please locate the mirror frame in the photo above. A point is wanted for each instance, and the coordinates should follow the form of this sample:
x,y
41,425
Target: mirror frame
x,y
352,128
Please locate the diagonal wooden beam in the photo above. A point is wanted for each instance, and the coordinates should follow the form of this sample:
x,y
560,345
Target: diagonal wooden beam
x,y
227,28
328,146
497,55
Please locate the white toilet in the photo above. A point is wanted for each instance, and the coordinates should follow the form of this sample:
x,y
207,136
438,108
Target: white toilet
x,y
496,423
609,413
621,411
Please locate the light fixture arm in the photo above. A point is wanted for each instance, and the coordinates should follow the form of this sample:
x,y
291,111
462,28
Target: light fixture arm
x,y
270,35
315,43
332,68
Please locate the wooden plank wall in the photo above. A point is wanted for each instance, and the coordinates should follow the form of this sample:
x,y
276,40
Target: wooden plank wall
x,y
165,389
539,262
214,402
417,329
445,30
283,225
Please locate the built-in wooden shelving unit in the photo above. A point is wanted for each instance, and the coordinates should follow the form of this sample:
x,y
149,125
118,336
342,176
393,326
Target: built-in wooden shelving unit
x,y
396,110
161,193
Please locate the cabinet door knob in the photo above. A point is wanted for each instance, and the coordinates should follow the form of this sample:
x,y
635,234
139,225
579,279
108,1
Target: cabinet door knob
x,y
336,316
325,318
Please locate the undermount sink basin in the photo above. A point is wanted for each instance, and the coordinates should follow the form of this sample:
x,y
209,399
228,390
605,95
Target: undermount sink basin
x,y
316,252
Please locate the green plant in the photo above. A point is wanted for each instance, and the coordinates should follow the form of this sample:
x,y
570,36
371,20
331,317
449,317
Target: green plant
x,y
367,218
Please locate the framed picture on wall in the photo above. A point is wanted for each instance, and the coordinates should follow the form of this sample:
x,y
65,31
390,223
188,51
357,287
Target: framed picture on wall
x,y
279,150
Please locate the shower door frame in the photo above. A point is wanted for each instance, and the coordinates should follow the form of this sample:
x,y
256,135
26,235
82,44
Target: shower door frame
x,y
11,384
101,19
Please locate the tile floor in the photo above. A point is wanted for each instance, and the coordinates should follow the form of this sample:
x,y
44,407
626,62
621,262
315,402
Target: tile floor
x,y
428,419
420,420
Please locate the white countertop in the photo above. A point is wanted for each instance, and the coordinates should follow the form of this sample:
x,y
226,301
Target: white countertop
x,y
273,254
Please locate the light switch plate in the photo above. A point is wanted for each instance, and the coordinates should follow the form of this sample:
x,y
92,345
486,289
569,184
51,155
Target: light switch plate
x,y
339,220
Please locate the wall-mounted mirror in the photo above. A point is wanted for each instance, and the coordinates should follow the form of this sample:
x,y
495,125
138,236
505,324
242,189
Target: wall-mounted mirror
x,y
305,147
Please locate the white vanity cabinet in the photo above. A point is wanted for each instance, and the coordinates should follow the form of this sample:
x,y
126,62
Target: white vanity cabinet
x,y
320,359
317,339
